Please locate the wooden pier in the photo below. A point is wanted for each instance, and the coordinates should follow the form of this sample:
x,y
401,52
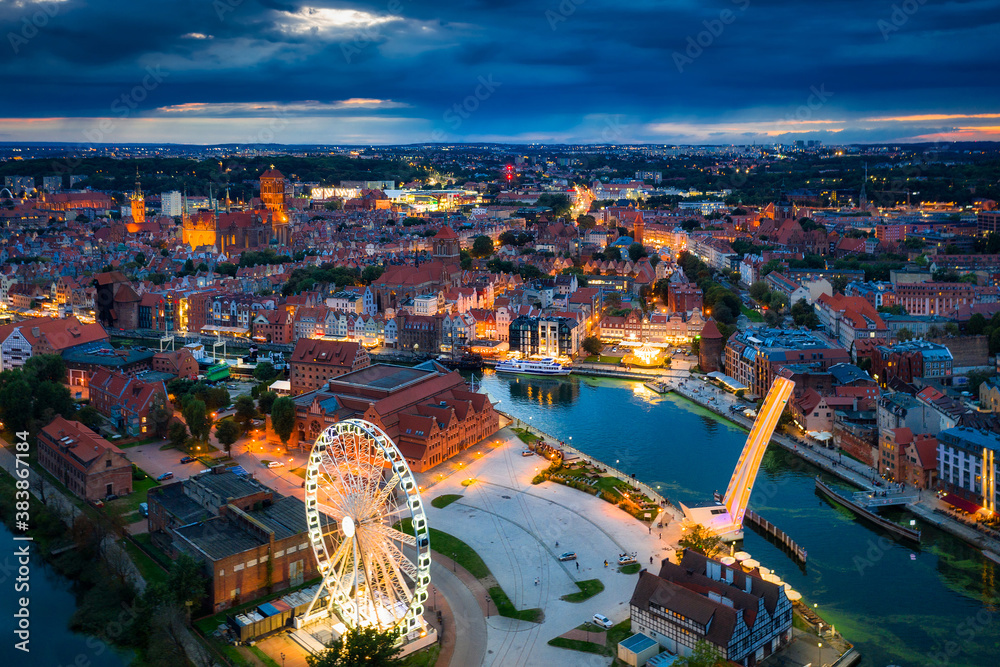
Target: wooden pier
x,y
768,529
864,512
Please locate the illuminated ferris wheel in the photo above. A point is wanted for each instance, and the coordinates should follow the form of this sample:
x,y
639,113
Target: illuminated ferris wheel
x,y
367,528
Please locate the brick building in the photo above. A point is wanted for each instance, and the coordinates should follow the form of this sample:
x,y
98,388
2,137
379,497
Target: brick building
x,y
754,356
180,363
126,400
44,335
89,466
313,362
934,298
427,410
250,539
683,297
909,360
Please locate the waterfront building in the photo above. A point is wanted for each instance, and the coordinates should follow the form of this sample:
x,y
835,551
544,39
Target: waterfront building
x,y
249,539
905,456
755,356
967,464
44,335
911,359
313,362
90,466
548,335
745,617
427,410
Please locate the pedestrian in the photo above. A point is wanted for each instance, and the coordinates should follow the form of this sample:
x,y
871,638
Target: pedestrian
x,y
650,560
536,581
661,536
578,566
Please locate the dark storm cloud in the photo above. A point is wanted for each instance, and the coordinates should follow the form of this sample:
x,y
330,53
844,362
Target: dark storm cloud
x,y
564,67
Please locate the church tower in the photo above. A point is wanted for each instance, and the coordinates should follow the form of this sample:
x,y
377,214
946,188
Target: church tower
x,y
138,202
272,196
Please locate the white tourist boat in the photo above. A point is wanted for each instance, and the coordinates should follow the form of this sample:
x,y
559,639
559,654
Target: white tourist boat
x,y
547,366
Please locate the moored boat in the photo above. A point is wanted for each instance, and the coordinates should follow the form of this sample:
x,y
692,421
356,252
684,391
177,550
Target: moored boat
x,y
547,366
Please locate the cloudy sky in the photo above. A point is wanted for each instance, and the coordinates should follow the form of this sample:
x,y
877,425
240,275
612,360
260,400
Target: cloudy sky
x,y
595,71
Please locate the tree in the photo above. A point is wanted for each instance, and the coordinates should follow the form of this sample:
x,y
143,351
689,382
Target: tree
x,y
265,401
283,418
976,325
612,300
177,434
216,398
246,411
45,367
482,246
196,416
159,416
360,647
700,539
140,259
228,432
705,654
696,346
15,401
636,252
804,315
560,203
592,345
586,222
759,291
903,334
264,372
89,417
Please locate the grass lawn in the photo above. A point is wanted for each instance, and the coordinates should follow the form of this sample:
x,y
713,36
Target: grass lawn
x,y
130,504
263,657
631,568
588,589
525,436
752,315
443,501
148,568
619,633
506,608
146,542
300,471
424,658
579,645
144,441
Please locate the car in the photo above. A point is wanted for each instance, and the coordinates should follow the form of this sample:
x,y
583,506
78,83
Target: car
x,y
187,459
274,464
527,452
166,475
625,559
569,555
602,620
98,503
111,496
144,508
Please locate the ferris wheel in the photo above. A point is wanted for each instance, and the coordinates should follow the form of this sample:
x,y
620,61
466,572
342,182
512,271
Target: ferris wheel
x,y
367,528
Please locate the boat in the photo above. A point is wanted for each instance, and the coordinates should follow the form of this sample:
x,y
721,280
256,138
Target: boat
x,y
466,362
547,366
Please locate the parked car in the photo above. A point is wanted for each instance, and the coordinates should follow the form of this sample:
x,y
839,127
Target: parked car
x,y
274,464
98,503
625,559
569,555
187,459
111,496
602,620
166,475
527,452
144,508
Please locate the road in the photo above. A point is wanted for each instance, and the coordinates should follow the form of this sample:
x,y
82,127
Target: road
x,y
470,626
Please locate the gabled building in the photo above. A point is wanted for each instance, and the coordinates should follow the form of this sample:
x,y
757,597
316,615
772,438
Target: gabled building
x,y
126,400
90,466
314,362
744,617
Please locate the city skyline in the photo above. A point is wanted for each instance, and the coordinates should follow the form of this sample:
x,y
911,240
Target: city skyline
x,y
576,71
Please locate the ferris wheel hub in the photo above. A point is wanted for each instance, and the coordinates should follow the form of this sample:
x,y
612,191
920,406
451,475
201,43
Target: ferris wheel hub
x,y
347,524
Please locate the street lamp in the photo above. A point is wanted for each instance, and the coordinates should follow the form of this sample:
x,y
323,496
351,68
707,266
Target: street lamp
x,y
454,563
282,660
819,653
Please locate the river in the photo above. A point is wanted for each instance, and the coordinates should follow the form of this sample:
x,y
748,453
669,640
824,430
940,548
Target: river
x,y
52,603
936,605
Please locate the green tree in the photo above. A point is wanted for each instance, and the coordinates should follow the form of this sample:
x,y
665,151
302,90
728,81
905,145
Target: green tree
x,y
636,252
700,539
177,434
246,411
217,398
696,346
45,367
283,418
140,258
560,203
612,300
264,372
228,432
759,291
804,315
592,345
976,325
52,398
160,415
482,246
187,583
586,222
89,417
265,401
904,334
704,654
360,647
196,416
15,401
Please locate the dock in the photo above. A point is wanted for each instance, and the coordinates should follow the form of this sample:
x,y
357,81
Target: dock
x,y
659,387
865,513
769,530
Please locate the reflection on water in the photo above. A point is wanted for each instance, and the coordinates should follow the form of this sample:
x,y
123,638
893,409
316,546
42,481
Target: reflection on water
x,y
896,609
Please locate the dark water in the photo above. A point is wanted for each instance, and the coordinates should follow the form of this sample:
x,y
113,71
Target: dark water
x,y
937,609
52,603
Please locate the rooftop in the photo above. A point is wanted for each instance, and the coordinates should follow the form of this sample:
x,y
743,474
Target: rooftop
x,y
383,376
